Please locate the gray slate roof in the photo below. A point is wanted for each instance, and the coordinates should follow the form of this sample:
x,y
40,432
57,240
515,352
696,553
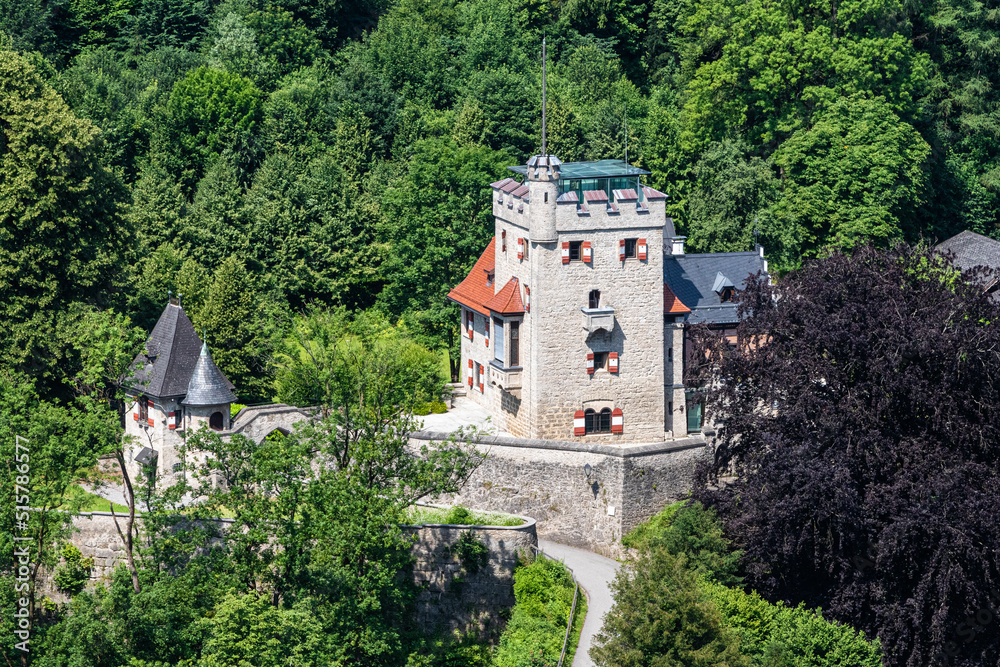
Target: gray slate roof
x,y
208,386
692,278
171,356
172,352
972,249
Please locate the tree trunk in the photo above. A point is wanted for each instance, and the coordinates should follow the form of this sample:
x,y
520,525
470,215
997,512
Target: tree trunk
x,y
130,526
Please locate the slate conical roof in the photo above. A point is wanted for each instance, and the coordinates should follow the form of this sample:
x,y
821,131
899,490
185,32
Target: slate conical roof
x,y
165,368
208,386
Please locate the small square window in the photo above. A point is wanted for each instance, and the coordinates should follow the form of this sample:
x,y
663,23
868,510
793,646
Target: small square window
x,y
630,247
600,360
574,250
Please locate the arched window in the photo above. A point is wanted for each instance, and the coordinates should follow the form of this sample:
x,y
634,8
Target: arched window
x,y
597,422
605,421
595,298
215,421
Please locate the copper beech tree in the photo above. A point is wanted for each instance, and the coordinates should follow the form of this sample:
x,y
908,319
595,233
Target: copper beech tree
x,y
862,431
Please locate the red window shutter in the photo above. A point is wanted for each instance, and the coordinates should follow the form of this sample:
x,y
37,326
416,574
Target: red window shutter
x,y
472,324
586,251
470,379
481,385
527,299
590,363
172,420
470,364
579,423
487,334
135,416
150,421
617,421
520,248
151,403
641,248
565,252
503,240
621,250
613,362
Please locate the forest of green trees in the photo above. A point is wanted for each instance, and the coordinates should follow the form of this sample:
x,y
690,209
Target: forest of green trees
x,y
258,156
318,171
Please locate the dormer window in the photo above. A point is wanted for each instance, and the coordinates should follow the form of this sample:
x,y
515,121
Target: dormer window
x,y
489,278
724,287
595,298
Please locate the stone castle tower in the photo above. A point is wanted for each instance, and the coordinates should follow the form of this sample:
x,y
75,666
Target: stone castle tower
x,y
175,389
563,325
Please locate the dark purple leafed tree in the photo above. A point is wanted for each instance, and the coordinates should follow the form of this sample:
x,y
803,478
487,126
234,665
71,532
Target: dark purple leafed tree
x,y
862,424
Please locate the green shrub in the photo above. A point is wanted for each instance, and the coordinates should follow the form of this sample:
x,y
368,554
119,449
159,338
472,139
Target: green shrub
x,y
544,594
690,529
234,409
438,407
460,515
472,552
780,636
72,576
422,409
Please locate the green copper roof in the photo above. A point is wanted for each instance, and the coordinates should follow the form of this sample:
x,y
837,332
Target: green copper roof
x,y
596,169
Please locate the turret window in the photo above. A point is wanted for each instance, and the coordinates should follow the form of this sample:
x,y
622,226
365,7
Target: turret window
x,y
574,250
215,421
595,298
143,409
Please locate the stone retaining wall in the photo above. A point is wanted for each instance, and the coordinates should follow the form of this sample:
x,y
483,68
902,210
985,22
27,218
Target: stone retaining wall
x,y
545,479
451,597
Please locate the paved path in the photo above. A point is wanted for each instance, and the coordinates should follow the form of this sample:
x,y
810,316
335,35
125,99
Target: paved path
x,y
594,574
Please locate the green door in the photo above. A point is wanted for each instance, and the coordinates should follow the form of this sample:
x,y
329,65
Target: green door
x,y
694,416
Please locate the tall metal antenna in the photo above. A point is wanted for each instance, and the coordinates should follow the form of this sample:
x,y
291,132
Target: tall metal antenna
x,y
543,98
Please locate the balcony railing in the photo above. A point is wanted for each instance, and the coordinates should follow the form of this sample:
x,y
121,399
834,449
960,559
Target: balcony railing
x,y
598,318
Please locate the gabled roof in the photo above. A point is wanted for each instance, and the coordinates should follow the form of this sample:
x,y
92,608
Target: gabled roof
x,y
208,386
568,197
692,279
591,196
650,193
671,304
508,300
500,184
473,292
170,356
972,249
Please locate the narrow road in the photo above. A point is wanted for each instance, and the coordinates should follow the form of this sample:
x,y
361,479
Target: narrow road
x,y
595,574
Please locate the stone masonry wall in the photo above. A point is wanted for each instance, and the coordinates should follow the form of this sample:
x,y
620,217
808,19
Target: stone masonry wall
x,y
450,598
546,480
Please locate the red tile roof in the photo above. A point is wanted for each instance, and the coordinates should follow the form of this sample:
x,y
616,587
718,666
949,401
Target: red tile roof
x,y
521,191
473,292
652,194
671,304
508,300
500,184
595,196
627,194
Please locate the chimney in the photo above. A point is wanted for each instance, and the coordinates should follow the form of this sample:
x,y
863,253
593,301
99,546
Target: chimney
x,y
760,250
677,245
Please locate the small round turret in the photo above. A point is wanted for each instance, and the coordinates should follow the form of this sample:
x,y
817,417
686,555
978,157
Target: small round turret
x,y
543,188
